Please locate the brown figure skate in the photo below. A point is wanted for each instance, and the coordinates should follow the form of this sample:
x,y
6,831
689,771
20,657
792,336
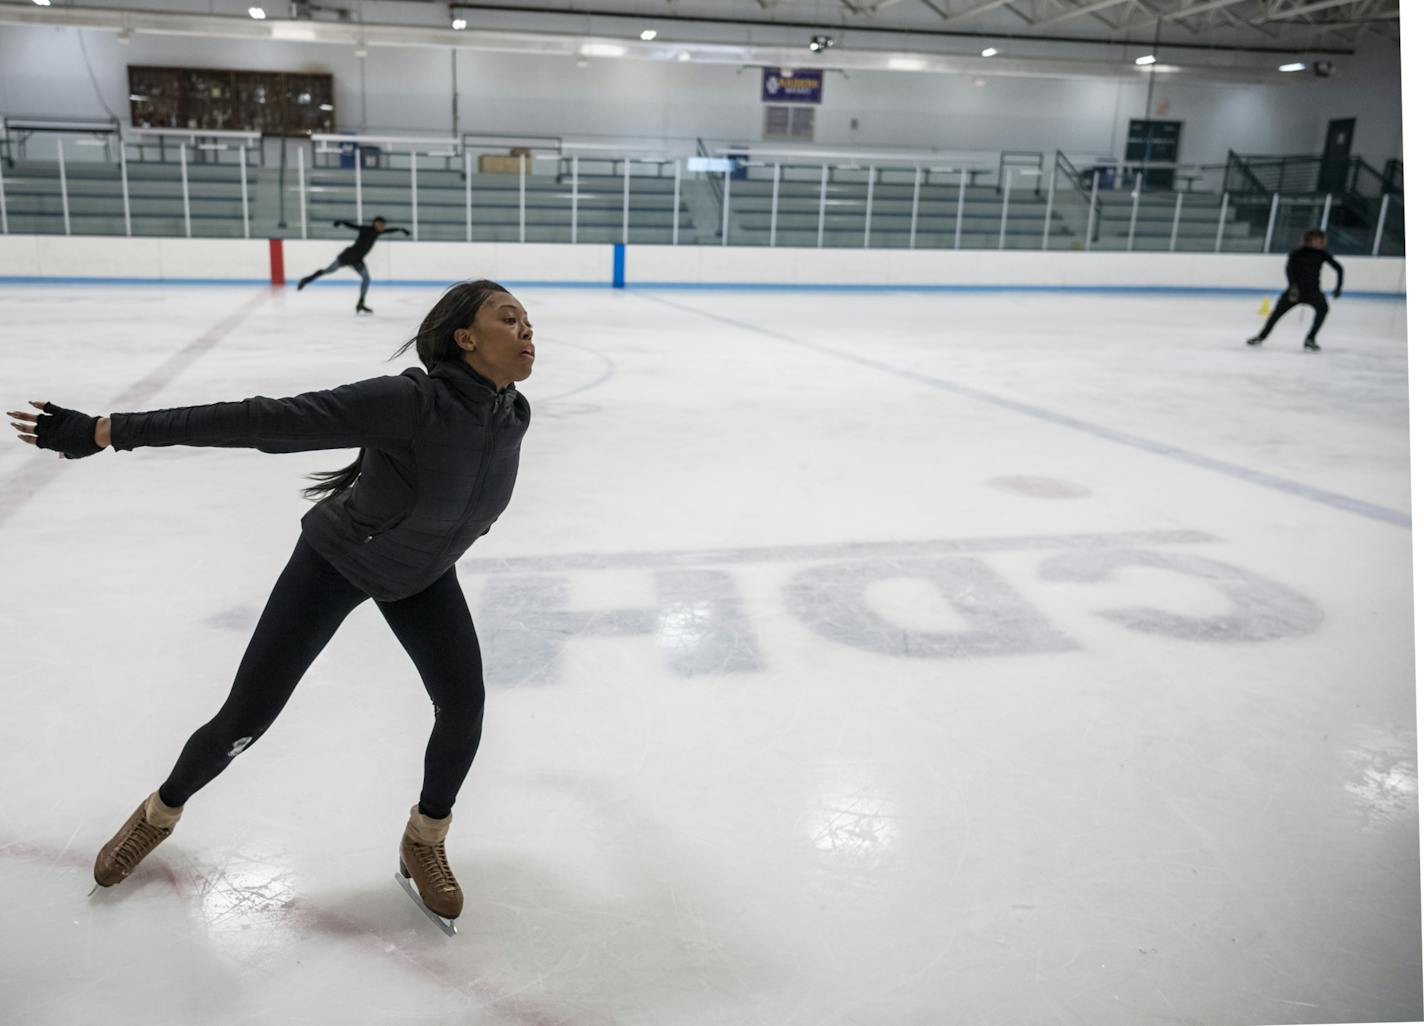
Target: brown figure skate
x,y
423,862
149,825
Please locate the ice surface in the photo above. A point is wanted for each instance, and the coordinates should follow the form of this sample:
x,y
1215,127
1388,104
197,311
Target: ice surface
x,y
873,658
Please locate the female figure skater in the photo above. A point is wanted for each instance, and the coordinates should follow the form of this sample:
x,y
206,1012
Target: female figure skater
x,y
439,453
354,256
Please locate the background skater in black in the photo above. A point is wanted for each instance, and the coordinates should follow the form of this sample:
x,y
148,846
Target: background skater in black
x,y
1303,286
439,454
354,256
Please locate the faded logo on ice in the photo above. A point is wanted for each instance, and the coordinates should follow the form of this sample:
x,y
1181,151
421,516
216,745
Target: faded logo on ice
x,y
698,615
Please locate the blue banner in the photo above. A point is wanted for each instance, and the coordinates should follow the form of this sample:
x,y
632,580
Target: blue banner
x,y
785,85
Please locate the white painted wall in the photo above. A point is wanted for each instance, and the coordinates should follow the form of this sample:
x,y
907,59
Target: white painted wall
x,y
30,256
705,265
78,256
42,71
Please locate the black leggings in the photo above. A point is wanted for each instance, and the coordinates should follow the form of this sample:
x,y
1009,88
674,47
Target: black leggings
x,y
308,603
1314,299
359,267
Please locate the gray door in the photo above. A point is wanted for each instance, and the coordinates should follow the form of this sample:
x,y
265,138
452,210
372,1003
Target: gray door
x,y
1335,160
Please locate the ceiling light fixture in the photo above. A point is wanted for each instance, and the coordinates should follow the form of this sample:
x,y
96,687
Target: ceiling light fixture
x,y
256,13
1145,61
988,51
648,35
458,23
1297,66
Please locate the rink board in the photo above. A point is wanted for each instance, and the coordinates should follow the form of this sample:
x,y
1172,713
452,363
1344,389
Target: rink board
x,y
242,261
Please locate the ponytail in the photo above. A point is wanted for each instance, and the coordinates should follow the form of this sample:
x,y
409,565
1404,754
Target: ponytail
x,y
331,483
434,343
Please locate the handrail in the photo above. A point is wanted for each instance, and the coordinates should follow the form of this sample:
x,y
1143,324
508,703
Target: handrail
x,y
470,140
619,152
397,140
712,180
1359,164
1394,175
1266,196
1235,162
979,158
1062,163
1283,165
16,131
1006,160
197,133
10,123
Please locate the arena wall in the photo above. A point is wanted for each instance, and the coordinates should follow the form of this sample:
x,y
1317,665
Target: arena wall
x,y
409,90
78,259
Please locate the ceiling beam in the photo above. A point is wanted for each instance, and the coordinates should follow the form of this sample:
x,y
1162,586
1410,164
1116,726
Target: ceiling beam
x,y
1241,22
983,8
1079,11
1185,12
1158,15
1063,10
1387,18
1310,8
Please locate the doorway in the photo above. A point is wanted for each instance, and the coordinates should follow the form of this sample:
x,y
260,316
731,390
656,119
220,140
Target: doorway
x,y
1154,142
1335,159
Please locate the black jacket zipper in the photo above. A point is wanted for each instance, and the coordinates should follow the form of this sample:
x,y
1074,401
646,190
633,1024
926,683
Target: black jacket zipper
x,y
478,489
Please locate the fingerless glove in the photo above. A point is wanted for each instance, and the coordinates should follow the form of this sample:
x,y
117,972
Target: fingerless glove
x,y
66,431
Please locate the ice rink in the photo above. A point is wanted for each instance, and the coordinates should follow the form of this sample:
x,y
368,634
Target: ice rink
x,y
862,658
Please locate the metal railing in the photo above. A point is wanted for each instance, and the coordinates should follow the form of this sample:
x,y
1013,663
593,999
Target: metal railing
x,y
470,188
16,133
1306,174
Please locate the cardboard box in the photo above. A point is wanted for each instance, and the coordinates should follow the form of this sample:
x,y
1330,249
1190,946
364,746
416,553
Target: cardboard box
x,y
495,164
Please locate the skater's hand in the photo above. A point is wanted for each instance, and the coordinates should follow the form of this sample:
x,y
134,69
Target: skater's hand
x,y
1336,293
71,434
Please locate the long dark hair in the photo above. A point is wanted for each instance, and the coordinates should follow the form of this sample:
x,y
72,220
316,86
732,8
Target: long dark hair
x,y
434,343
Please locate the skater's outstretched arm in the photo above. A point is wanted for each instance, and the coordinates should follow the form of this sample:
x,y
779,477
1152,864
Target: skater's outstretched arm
x,y
403,231
347,224
1339,274
378,413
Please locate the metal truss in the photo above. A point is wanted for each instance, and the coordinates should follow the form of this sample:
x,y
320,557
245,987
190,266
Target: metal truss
x,y
1338,19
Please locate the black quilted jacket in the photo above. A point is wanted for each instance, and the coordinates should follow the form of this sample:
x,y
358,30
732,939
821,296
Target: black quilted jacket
x,y
439,454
